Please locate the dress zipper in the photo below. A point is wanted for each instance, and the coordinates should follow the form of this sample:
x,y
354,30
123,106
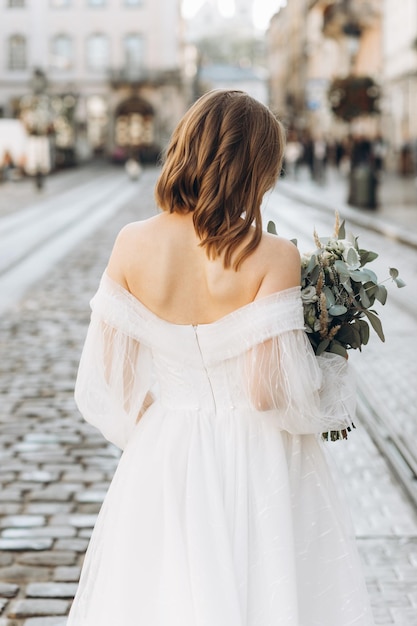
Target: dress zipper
x,y
195,326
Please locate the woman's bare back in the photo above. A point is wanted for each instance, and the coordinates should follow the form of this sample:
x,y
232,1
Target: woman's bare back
x,y
160,262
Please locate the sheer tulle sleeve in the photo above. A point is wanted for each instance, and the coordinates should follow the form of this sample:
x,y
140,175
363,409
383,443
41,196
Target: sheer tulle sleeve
x,y
114,377
310,394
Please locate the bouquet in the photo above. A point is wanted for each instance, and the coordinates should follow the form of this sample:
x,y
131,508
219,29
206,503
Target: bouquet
x,y
338,292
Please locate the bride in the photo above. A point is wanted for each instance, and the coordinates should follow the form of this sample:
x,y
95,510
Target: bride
x,y
222,511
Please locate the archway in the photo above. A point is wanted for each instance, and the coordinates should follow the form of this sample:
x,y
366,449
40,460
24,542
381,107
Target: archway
x,y
134,130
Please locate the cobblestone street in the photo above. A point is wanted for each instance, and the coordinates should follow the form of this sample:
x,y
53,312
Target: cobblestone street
x,y
55,468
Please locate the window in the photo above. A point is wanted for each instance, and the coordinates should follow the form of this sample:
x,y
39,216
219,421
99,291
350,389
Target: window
x,y
17,52
133,47
61,52
98,52
16,4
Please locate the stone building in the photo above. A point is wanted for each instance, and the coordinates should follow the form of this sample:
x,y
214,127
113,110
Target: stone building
x,y
399,79
286,39
312,42
111,71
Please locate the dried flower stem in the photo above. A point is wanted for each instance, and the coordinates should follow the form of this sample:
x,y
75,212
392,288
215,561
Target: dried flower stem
x,y
324,318
320,283
336,225
333,332
317,240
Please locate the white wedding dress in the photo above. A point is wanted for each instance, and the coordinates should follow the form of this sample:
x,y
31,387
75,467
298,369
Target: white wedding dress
x,y
222,511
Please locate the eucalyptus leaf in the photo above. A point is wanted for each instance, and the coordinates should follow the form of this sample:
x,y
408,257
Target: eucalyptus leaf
x,y
312,263
367,256
294,241
342,231
359,276
314,274
364,331
337,348
372,276
381,294
337,309
271,228
375,323
371,289
341,268
347,285
322,346
330,299
348,334
352,257
393,272
344,333
364,298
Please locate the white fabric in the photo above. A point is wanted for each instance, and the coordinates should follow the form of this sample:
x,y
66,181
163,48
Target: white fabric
x,y
222,511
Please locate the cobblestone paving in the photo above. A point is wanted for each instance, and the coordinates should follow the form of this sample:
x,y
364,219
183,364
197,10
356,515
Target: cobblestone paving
x,y
55,468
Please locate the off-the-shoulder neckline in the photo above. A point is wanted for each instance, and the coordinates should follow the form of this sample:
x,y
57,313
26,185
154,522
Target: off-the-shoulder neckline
x,y
259,301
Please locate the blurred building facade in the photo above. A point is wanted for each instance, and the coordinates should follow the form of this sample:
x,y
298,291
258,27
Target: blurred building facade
x,y
209,21
312,43
399,79
112,70
227,49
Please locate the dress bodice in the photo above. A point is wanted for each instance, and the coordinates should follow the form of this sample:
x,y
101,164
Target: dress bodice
x,y
192,364
257,358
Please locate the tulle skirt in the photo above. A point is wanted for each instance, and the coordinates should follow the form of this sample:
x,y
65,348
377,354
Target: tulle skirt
x,y
221,520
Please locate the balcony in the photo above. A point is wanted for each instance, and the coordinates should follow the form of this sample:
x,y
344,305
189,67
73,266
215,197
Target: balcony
x,y
139,76
354,15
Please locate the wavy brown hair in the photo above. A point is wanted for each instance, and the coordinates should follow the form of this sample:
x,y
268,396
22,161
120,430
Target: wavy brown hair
x,y
223,156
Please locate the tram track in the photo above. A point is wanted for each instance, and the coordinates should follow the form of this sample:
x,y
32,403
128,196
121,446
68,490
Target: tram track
x,y
18,236
394,448
35,238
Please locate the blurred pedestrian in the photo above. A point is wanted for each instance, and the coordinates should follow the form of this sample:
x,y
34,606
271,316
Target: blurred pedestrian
x,y
379,151
6,166
319,159
38,159
293,155
133,169
222,511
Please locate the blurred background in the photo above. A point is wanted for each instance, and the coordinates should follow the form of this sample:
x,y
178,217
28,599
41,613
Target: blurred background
x,y
90,91
88,79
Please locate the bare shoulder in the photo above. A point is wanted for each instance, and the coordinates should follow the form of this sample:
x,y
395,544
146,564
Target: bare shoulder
x,y
280,245
282,264
131,243
133,231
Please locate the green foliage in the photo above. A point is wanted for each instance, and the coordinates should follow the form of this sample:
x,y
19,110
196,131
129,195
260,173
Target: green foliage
x,y
354,96
338,291
271,228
